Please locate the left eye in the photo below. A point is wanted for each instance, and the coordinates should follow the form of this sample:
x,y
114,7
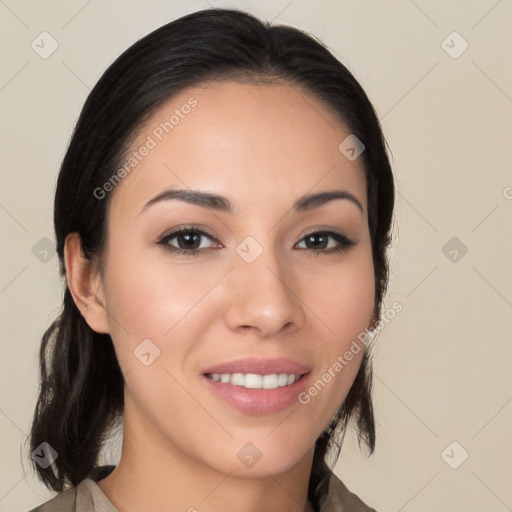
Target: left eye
x,y
326,241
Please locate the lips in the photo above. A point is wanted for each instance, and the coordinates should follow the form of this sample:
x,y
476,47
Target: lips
x,y
248,384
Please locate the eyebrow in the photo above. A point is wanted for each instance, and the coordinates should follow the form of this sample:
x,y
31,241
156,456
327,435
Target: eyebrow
x,y
222,204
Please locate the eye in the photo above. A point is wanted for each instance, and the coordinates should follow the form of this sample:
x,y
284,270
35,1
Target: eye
x,y
191,241
326,242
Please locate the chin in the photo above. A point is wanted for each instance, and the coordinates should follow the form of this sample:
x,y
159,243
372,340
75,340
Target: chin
x,y
261,457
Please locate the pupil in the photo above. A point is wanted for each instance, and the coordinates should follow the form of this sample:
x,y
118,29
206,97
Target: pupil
x,y
320,240
191,240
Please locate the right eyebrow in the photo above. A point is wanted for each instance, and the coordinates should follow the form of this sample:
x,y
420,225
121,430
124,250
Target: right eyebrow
x,y
203,199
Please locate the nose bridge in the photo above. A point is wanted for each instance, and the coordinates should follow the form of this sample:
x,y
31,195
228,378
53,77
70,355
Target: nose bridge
x,y
260,292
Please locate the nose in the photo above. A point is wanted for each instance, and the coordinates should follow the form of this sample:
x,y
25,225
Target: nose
x,y
261,297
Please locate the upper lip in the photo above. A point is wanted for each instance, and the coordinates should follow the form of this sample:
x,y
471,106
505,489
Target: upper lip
x,y
259,366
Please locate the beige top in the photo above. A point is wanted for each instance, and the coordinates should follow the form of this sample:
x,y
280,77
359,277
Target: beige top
x,y
88,497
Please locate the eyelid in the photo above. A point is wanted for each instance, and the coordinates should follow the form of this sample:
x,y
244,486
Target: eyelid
x,y
328,231
185,228
321,230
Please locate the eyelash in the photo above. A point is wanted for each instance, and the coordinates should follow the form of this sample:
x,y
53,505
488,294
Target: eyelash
x,y
344,242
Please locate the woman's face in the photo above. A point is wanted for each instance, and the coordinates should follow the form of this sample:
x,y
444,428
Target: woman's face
x,y
241,293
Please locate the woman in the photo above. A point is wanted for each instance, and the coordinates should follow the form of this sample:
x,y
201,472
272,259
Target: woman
x,y
222,217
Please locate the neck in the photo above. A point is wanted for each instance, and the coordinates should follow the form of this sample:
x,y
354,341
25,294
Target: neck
x,y
153,474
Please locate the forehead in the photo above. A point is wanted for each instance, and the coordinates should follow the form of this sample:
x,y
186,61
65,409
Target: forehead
x,y
252,143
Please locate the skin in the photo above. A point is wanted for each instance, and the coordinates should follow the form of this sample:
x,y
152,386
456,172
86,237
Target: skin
x,y
262,147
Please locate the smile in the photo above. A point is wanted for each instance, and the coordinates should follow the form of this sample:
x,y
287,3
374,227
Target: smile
x,y
255,381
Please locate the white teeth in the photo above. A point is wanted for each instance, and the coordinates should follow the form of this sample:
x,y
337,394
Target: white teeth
x,y
270,381
255,381
282,379
238,379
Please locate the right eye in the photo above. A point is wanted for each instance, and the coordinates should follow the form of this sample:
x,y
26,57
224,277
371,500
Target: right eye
x,y
189,241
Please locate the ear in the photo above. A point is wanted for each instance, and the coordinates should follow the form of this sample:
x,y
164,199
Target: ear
x,y
85,284
373,321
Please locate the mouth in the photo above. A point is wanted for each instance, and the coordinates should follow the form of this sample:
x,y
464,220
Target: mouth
x,y
257,386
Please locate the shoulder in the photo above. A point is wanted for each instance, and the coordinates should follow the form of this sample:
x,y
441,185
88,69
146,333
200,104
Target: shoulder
x,y
63,502
339,499
85,497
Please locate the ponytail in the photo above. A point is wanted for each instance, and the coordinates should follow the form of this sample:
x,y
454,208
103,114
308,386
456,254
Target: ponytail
x,y
80,397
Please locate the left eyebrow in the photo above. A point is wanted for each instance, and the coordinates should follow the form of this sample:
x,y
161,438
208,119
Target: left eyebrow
x,y
220,203
310,201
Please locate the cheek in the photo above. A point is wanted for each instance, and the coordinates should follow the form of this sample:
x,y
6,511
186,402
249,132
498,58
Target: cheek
x,y
343,299
151,294
153,298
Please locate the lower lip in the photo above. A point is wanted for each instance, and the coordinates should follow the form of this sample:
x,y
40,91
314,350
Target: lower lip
x,y
258,401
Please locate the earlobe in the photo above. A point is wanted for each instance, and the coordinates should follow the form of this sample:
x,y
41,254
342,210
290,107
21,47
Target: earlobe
x,y
85,285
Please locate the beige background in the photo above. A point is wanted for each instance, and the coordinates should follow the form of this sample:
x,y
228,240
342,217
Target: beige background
x,y
443,364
